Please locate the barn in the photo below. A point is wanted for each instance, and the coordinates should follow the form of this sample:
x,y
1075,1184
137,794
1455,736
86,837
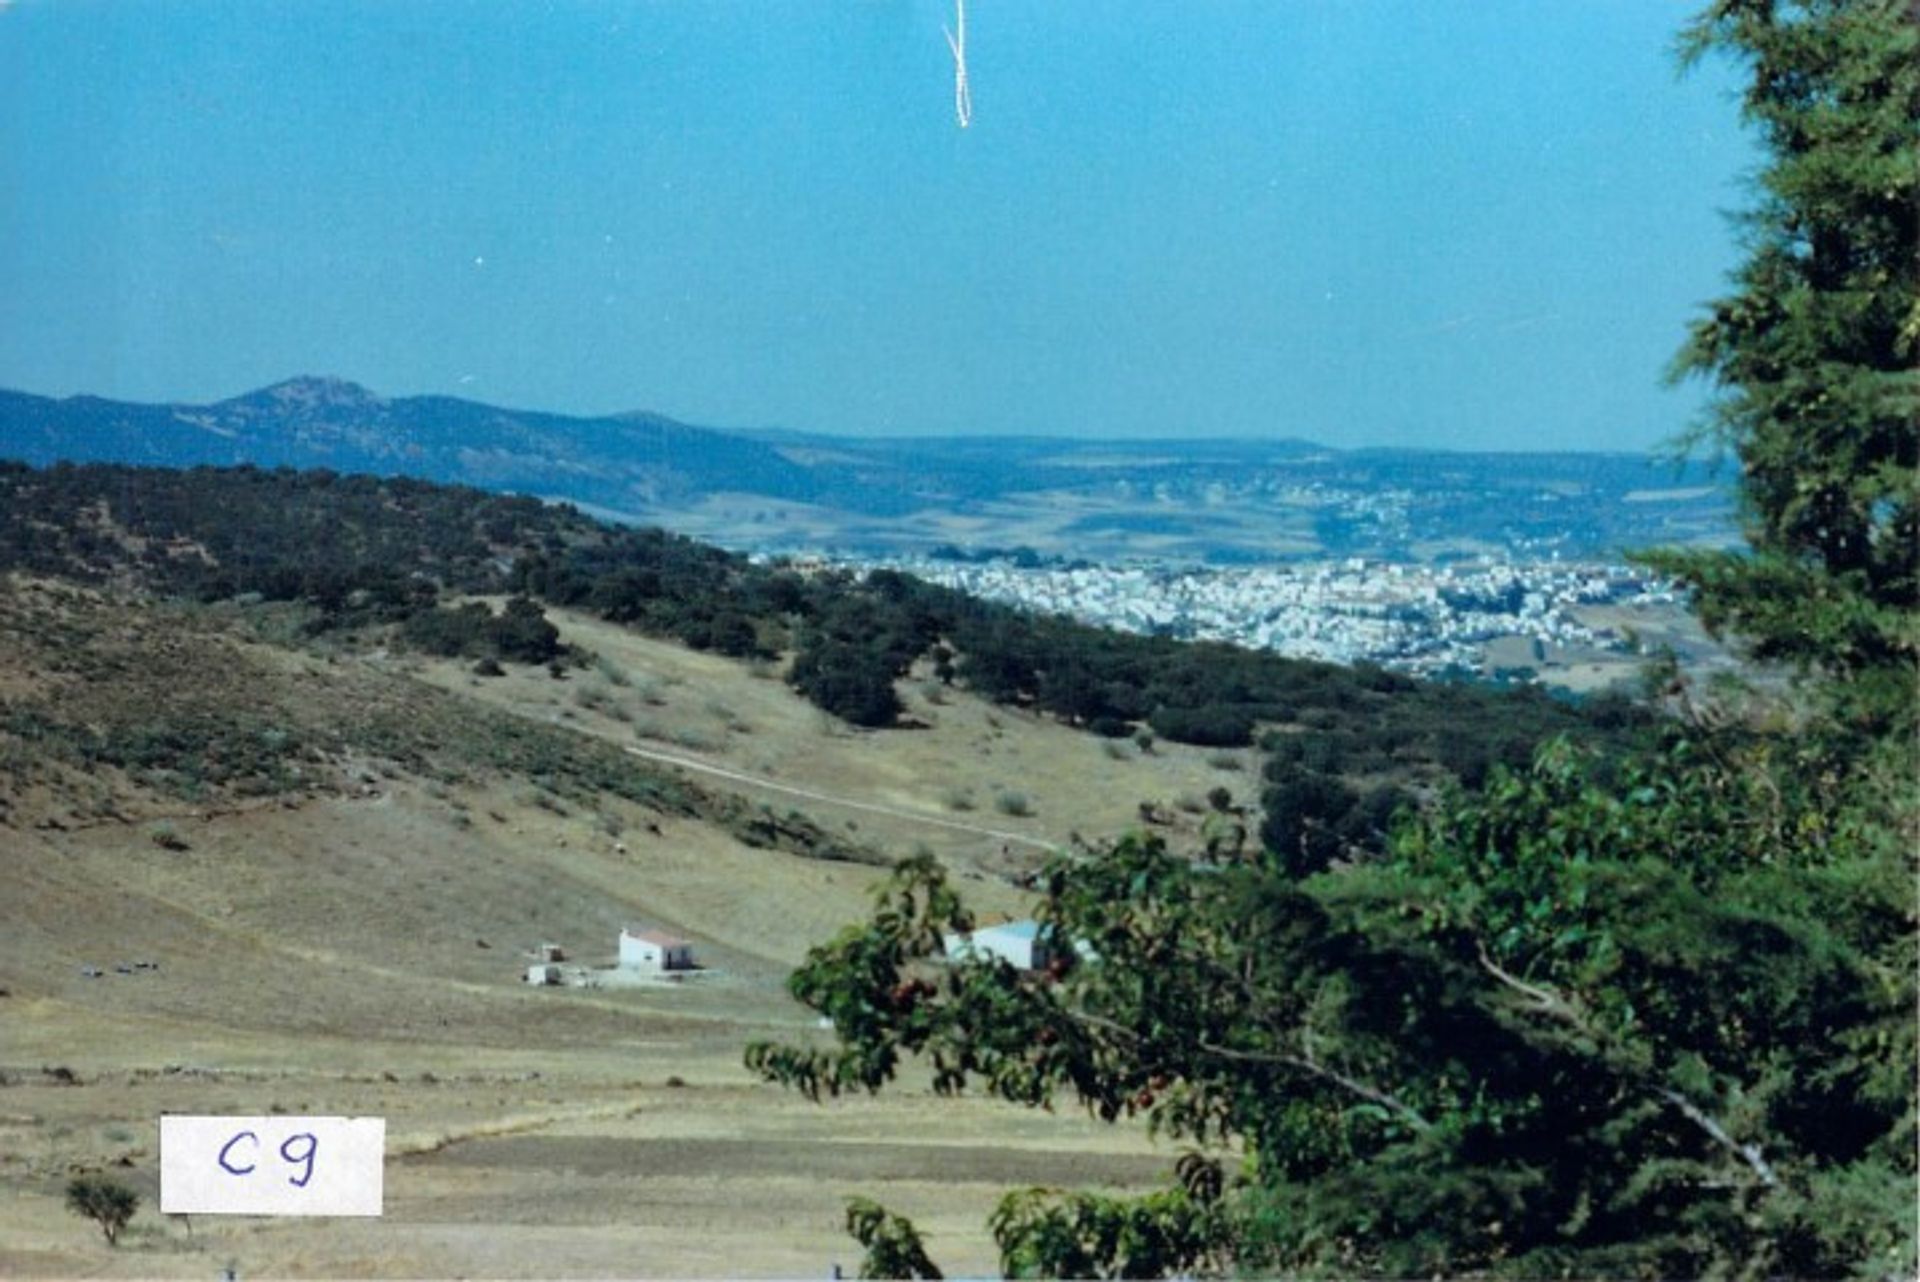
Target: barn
x,y
652,950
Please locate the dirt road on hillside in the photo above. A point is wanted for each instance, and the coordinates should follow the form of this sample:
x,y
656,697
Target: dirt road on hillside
x,y
722,772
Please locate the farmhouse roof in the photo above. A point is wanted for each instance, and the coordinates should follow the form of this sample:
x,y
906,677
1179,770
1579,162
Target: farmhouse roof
x,y
659,939
1027,929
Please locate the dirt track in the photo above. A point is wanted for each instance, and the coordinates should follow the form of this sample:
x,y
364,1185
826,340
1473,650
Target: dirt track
x,y
809,794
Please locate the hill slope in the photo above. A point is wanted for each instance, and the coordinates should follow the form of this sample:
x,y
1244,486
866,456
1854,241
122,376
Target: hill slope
x,y
336,857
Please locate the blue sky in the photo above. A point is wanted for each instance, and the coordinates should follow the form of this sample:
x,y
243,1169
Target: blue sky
x,y
1441,223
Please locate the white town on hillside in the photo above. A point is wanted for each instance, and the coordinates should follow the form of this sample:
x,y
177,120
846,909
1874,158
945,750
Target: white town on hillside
x,y
1416,618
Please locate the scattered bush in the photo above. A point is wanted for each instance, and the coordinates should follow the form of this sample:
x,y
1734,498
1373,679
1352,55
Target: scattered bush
x,y
1213,725
105,1201
1009,802
520,633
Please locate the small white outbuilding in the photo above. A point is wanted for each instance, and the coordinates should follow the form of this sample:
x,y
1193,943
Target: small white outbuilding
x,y
544,974
652,950
1020,943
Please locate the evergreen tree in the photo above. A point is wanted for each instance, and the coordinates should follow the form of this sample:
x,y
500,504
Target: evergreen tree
x,y
1814,352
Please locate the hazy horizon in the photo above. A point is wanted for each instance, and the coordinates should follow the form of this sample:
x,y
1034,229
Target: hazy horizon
x,y
1656,452
1446,227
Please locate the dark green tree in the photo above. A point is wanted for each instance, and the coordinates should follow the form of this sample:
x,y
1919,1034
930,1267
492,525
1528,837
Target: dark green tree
x,y
853,682
106,1202
1303,813
892,1244
522,633
1814,353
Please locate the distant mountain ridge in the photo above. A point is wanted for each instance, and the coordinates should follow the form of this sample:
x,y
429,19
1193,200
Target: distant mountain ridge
x,y
632,462
1171,499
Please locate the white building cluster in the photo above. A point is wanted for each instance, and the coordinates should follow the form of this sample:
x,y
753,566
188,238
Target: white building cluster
x,y
1415,617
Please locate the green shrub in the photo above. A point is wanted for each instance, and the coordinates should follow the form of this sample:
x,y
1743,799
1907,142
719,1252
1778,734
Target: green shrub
x,y
105,1201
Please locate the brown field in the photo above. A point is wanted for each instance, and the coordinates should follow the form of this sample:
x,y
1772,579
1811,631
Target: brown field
x,y
355,948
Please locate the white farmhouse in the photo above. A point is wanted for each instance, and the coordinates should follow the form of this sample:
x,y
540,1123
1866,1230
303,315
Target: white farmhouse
x,y
1019,943
652,950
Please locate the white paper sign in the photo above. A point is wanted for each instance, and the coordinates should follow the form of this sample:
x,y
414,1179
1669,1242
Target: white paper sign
x,y
272,1165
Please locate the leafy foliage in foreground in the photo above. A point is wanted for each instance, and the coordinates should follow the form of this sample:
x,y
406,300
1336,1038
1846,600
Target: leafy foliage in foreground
x,y
1528,1041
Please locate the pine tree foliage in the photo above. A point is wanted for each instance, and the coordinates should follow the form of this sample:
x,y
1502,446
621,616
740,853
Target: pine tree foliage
x,y
1813,355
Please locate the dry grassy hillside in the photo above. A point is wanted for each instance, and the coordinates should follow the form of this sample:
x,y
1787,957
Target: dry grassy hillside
x,y
336,860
